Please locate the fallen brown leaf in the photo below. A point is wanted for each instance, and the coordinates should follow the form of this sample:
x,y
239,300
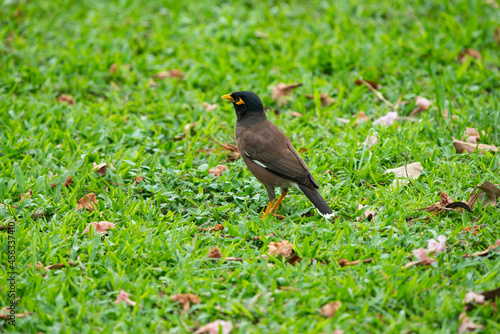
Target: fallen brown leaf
x,y
209,107
101,169
138,179
217,171
124,297
69,181
330,309
10,316
53,184
112,68
189,128
175,73
422,105
87,202
484,252
367,213
283,247
216,228
345,262
325,99
441,205
295,114
471,135
281,91
234,152
471,296
496,35
374,84
27,195
215,327
489,190
68,99
466,325
100,227
185,299
462,56
422,257
59,265
405,172
361,117
214,253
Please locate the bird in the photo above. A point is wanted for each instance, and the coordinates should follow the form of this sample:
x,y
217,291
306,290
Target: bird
x,y
270,155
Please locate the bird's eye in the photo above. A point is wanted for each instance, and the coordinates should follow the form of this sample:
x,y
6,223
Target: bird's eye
x,y
238,101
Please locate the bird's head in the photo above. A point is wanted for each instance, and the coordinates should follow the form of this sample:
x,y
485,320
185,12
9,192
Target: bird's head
x,y
245,104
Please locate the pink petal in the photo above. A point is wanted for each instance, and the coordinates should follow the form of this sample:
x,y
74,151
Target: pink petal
x,y
100,227
472,296
420,254
124,297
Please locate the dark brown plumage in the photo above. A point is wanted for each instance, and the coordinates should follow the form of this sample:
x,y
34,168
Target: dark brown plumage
x,y
270,155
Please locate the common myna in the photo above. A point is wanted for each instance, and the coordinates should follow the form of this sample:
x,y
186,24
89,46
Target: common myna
x,y
270,155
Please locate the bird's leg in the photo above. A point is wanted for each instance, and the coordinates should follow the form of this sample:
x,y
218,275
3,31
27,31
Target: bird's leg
x,y
268,209
275,206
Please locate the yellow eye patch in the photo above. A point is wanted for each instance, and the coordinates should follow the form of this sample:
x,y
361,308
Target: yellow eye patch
x,y
240,101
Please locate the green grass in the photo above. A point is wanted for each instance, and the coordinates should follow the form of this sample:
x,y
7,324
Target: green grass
x,y
410,47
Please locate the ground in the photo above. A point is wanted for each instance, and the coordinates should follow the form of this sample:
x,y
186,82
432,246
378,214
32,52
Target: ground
x,y
108,57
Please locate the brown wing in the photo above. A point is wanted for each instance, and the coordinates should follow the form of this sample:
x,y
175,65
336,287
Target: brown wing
x,y
268,147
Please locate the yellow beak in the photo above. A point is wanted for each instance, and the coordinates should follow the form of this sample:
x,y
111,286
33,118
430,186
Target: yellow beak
x,y
228,97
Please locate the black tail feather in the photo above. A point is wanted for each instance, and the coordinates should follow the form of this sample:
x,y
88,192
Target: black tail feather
x,y
314,196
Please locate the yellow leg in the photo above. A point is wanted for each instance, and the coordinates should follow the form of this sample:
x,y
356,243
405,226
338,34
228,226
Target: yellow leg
x,y
268,209
275,206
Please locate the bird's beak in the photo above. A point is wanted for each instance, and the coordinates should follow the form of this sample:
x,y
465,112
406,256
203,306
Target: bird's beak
x,y
228,97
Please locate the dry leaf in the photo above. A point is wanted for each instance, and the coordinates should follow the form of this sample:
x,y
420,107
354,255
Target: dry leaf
x,y
214,327
59,265
345,262
217,171
10,316
374,84
330,309
216,228
234,153
39,265
100,227
112,68
446,204
471,135
69,181
437,246
422,105
422,257
325,99
484,252
27,195
175,73
214,253
68,99
473,297
489,190
496,35
123,296
153,83
461,146
185,299
361,118
367,213
388,119
281,91
466,325
462,56
138,179
53,185
102,168
295,114
87,202
209,107
281,248
189,128
402,173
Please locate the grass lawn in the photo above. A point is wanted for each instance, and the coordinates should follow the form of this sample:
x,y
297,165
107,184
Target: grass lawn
x,y
111,57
